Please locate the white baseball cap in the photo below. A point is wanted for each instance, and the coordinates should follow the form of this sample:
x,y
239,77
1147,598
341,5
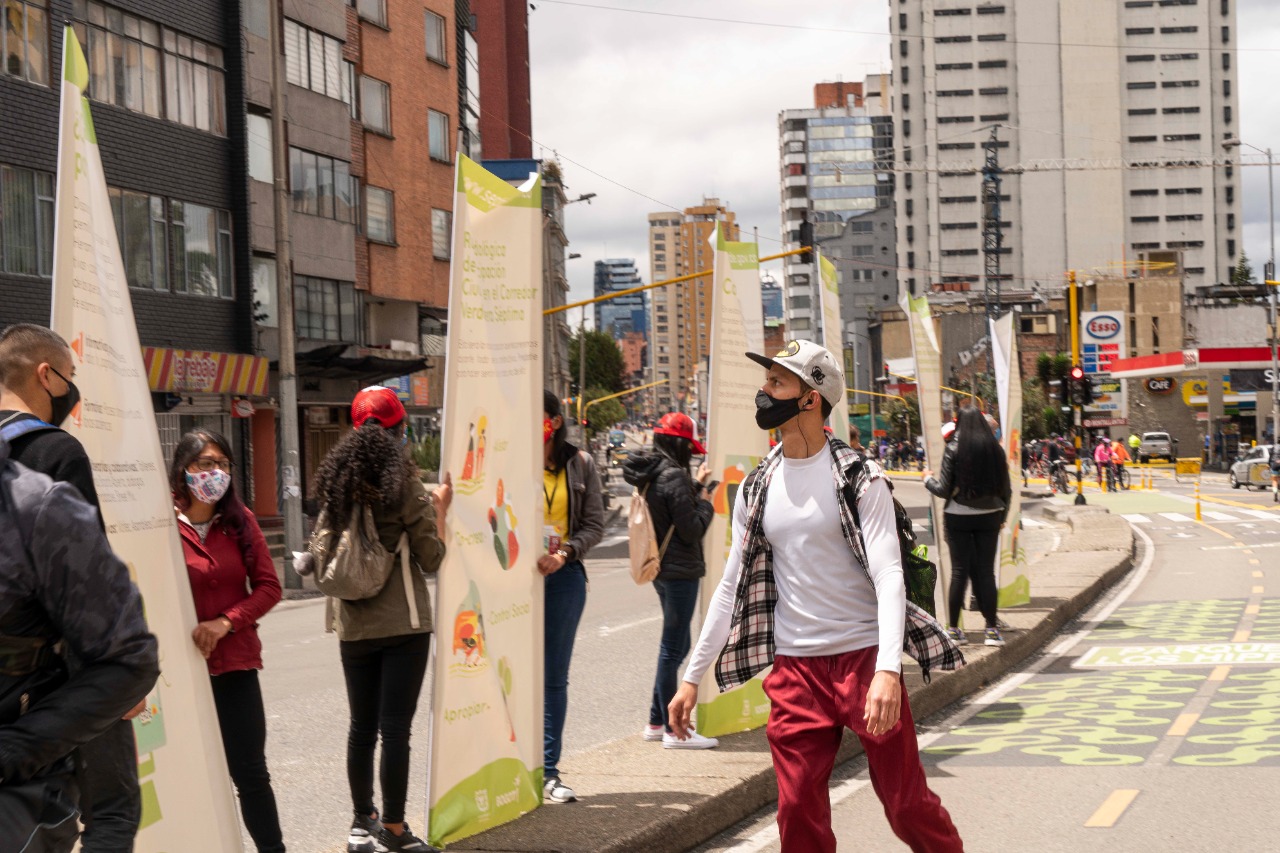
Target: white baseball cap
x,y
814,364
948,429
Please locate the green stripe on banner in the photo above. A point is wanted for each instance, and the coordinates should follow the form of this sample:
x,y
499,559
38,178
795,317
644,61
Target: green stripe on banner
x,y
75,69
485,190
497,793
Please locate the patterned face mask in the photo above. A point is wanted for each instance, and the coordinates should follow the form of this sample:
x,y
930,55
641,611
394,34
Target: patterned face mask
x,y
208,487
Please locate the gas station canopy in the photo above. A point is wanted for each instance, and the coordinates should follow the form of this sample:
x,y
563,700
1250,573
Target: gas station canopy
x,y
1191,361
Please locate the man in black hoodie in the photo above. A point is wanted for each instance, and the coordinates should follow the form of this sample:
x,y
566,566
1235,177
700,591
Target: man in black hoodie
x,y
681,511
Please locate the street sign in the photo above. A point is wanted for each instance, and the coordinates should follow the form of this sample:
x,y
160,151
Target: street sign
x,y
1090,423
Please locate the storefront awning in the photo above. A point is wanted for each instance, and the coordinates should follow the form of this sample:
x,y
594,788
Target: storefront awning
x,y
340,361
1191,361
200,372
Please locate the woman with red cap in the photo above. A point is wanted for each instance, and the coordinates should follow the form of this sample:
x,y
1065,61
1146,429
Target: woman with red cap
x,y
681,510
384,648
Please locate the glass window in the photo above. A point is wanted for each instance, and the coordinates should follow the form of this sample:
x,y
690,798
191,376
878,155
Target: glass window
x,y
18,220
379,214
349,88
374,11
266,307
438,135
313,61
375,104
435,38
295,53
142,245
325,310
321,186
26,41
441,233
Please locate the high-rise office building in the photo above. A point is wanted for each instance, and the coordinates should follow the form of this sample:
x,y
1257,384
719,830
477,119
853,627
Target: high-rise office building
x,y
830,157
681,323
1050,76
623,314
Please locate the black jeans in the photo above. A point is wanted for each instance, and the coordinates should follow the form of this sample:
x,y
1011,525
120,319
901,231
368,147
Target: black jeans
x,y
974,541
384,677
109,798
238,698
679,599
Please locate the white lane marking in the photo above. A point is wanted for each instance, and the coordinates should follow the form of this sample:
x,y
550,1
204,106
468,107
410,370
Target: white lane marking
x,y
1176,516
1135,518
616,539
606,630
1219,516
1032,522
1261,513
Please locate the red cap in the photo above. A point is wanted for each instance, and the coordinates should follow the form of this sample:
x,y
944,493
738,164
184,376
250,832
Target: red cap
x,y
377,403
680,425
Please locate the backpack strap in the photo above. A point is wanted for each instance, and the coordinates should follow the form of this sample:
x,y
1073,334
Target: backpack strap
x,y
671,526
409,595
12,429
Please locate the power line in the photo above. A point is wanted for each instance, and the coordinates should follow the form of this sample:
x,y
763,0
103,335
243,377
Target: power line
x,y
885,35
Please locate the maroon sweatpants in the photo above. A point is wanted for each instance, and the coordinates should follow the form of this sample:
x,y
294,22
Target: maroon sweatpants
x,y
814,700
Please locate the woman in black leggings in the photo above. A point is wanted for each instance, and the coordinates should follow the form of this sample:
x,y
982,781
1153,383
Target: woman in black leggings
x,y
384,640
975,483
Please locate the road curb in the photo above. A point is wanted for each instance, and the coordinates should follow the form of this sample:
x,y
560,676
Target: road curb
x,y
623,822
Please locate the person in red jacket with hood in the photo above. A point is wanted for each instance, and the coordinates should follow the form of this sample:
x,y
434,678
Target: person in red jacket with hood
x,y
233,584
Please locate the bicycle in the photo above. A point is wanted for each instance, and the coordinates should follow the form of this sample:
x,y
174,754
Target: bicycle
x,y
1058,477
1122,477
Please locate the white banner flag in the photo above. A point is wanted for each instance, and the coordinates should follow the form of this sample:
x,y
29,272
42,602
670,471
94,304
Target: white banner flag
x,y
1004,352
833,339
186,791
486,727
734,447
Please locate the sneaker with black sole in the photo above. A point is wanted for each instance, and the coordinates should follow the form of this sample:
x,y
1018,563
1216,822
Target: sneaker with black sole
x,y
406,841
555,791
991,637
653,733
363,837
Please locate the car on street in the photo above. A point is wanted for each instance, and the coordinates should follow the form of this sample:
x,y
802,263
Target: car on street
x,y
1252,469
1156,445
617,438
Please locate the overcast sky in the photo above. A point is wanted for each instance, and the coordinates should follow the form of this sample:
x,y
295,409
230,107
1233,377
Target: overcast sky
x,y
675,109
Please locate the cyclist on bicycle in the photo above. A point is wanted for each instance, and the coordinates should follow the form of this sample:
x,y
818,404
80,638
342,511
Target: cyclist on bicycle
x,y
1275,472
1119,456
1102,461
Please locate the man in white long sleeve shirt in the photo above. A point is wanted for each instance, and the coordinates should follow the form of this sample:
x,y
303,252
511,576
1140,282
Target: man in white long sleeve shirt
x,y
814,586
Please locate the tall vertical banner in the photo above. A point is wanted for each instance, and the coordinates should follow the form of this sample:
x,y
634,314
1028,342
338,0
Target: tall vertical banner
x,y
182,774
1014,587
833,338
734,447
486,720
928,361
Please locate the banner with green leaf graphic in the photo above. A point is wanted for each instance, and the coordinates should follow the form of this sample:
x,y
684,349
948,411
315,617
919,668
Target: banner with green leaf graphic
x,y
1014,587
486,753
833,338
734,447
182,772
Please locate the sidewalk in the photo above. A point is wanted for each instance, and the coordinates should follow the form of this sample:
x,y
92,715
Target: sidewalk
x,y
636,796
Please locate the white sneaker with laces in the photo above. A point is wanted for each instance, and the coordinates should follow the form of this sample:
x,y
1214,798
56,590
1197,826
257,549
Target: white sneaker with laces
x,y
694,741
653,733
556,791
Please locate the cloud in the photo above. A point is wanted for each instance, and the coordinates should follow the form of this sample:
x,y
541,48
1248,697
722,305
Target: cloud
x,y
676,109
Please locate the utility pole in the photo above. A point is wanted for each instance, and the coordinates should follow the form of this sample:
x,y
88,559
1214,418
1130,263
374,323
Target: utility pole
x,y
1073,298
290,455
582,377
992,234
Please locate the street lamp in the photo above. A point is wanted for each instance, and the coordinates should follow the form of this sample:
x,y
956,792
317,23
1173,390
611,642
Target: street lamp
x,y
1269,276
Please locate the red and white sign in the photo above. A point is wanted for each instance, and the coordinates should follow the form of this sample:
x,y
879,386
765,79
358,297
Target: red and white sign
x,y
1105,422
242,408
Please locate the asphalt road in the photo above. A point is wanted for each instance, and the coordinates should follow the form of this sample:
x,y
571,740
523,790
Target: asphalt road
x,y
1112,740
611,681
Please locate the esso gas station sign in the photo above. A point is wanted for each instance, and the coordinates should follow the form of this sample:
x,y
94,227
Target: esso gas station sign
x,y
1102,327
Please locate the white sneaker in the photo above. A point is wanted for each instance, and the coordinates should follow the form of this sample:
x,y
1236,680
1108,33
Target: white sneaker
x,y
694,741
653,733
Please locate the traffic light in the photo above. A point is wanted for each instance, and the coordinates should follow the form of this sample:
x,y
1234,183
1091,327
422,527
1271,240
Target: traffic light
x,y
1077,385
806,241
1086,387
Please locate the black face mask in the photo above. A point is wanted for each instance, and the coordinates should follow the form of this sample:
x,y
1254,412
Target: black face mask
x,y
772,413
63,405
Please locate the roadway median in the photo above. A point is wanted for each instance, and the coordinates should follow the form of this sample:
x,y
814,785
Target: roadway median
x,y
637,796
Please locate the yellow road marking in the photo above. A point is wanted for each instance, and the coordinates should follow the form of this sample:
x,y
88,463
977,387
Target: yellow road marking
x,y
1219,673
1222,533
1241,545
1252,609
1241,636
1247,551
1182,725
1228,502
1256,574
1112,808
1257,590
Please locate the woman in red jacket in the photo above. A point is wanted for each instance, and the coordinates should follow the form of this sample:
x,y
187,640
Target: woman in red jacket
x,y
233,583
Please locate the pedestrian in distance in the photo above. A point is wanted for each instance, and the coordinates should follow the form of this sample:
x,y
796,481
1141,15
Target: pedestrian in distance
x,y
575,521
384,641
37,395
814,586
76,648
1274,460
681,511
974,482
233,584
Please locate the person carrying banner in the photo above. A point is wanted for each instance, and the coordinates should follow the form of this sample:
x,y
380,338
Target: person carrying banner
x,y
681,511
62,588
37,395
575,515
384,654
974,482
813,585
233,584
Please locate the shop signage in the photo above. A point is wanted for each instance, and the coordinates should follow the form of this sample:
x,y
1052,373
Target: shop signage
x,y
1160,384
202,372
1092,423
242,408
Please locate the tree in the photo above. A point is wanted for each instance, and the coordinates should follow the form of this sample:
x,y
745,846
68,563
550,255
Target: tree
x,y
902,420
602,416
1034,405
1243,272
604,363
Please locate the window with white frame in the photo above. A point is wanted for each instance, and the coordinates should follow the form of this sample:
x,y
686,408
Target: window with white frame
x,y
436,42
374,11
24,41
201,249
441,233
313,61
379,214
438,135
26,221
140,226
375,104
258,132
322,186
